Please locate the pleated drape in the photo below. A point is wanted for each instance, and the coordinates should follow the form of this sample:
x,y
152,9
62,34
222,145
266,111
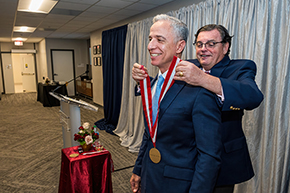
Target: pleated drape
x,y
113,46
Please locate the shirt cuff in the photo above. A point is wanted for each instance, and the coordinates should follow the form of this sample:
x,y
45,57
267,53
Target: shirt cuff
x,y
138,88
222,96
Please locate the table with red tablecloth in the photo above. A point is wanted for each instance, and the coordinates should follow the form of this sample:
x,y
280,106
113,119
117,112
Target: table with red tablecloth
x,y
85,173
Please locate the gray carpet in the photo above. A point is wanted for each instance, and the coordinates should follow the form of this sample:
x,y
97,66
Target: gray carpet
x,y
31,143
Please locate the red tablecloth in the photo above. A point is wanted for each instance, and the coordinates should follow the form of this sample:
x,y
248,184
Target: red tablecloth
x,y
85,173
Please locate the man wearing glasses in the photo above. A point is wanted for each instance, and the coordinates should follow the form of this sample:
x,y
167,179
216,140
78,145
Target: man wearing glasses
x,y
234,83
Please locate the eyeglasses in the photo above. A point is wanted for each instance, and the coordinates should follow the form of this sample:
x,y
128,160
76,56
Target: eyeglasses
x,y
209,44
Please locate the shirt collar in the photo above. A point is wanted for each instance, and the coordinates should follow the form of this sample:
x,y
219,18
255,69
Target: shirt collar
x,y
164,74
205,70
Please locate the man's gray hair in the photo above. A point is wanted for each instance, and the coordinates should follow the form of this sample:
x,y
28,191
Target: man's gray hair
x,y
178,26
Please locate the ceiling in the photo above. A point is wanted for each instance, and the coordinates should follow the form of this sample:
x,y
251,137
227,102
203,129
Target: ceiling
x,y
69,19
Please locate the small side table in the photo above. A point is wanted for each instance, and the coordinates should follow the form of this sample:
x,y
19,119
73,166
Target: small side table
x,y
85,173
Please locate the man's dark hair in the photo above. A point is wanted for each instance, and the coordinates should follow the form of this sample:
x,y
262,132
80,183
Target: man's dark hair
x,y
223,32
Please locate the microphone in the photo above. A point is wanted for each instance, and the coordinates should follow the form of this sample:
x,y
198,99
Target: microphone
x,y
86,72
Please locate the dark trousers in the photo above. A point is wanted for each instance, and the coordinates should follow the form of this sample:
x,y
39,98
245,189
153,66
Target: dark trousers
x,y
224,189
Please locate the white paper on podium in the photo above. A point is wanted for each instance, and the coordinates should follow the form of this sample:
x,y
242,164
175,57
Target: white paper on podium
x,y
81,103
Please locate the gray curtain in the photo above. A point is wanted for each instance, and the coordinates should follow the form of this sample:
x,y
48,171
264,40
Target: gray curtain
x,y
261,30
131,125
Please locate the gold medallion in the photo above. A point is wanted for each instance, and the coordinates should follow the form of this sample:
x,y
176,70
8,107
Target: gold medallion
x,y
74,155
154,155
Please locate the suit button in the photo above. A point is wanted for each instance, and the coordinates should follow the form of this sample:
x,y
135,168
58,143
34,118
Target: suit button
x,y
232,108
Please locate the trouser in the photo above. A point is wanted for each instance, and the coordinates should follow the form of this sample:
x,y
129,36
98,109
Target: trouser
x,y
224,189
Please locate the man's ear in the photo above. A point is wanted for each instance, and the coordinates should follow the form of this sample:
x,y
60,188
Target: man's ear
x,y
226,48
180,46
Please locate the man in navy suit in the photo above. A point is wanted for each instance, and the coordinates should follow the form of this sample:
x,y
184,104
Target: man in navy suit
x,y
188,135
234,83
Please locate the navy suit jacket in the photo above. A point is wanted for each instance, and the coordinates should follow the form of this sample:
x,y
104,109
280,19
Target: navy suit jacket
x,y
241,92
189,140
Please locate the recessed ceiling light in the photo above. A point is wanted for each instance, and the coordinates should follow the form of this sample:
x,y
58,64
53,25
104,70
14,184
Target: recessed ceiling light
x,y
36,6
19,39
23,29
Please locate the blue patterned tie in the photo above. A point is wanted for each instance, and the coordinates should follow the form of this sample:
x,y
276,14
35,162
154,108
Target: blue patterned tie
x,y
156,97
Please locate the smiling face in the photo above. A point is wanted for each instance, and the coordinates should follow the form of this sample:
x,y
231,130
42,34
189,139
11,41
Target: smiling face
x,y
162,45
208,57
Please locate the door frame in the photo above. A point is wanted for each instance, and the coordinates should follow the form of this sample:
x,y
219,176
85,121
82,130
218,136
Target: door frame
x,y
2,68
73,59
2,73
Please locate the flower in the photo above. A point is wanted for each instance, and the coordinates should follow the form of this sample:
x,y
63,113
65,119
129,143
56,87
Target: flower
x,y
86,125
86,134
88,139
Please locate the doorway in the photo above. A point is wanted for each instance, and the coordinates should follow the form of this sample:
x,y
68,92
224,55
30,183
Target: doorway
x,y
24,73
19,72
63,68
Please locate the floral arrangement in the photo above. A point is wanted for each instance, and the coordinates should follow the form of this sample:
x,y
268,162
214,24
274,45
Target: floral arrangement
x,y
86,134
47,80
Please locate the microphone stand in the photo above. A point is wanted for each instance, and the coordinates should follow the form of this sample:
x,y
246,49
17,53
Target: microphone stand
x,y
86,72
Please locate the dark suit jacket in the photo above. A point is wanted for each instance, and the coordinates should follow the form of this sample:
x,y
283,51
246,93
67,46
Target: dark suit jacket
x,y
241,92
189,140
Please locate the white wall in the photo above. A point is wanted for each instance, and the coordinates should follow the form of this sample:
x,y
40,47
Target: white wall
x,y
80,48
8,46
96,38
97,72
8,73
41,61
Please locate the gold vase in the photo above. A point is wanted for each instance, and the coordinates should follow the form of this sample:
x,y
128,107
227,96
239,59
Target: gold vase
x,y
86,147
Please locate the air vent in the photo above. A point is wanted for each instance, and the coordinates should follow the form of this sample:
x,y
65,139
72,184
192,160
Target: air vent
x,y
46,29
65,12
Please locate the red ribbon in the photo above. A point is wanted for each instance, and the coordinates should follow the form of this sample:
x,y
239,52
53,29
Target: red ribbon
x,y
146,96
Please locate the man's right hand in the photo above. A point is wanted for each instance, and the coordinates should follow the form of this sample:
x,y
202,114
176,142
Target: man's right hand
x,y
138,72
135,183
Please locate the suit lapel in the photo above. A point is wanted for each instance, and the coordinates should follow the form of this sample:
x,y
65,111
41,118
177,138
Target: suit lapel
x,y
218,69
153,81
170,96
